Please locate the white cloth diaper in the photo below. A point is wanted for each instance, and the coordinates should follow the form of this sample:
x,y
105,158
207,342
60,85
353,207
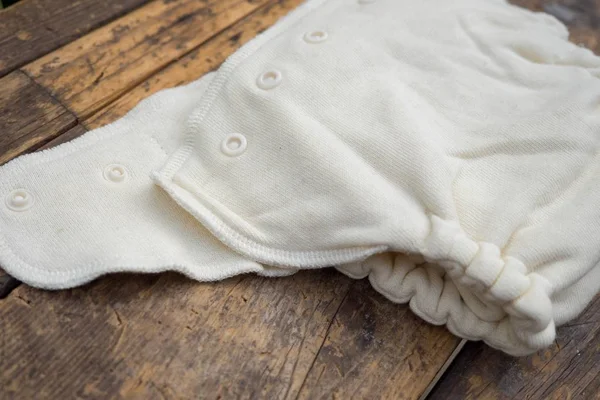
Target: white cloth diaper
x,y
460,138
448,150
88,207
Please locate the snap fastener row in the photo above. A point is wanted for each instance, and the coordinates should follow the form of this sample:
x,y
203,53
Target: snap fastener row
x,y
115,173
269,79
234,144
19,200
315,36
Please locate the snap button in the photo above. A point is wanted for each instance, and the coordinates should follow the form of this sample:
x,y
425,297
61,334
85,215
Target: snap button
x,y
269,79
234,144
115,173
19,200
315,36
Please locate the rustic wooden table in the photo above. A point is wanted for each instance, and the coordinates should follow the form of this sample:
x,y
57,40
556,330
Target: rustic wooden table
x,y
69,66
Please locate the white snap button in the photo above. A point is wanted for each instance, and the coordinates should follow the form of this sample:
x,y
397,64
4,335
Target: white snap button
x,y
315,36
269,79
234,144
19,200
115,173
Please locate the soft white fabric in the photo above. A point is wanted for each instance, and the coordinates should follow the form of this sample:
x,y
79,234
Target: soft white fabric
x,y
457,140
448,150
82,225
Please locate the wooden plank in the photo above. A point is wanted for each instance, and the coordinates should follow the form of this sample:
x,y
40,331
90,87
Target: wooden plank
x,y
96,69
7,284
71,134
33,28
164,336
377,349
30,116
198,62
14,140
569,370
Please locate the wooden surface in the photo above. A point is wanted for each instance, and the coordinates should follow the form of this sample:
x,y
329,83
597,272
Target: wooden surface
x,y
317,334
33,28
29,117
568,370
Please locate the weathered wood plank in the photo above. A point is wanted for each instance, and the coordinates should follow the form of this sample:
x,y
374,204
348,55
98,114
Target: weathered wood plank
x,y
377,349
30,117
569,370
167,337
71,134
96,69
7,284
198,62
248,337
33,28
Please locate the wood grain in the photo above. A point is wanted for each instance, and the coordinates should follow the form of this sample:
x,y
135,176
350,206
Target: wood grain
x,y
33,28
71,134
90,72
164,336
569,370
377,349
198,62
30,117
7,284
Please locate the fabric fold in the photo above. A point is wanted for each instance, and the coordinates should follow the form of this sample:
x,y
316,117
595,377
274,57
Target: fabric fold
x,y
88,207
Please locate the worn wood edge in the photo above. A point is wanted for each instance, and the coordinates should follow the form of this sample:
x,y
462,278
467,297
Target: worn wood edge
x,y
97,69
126,322
201,60
568,369
443,369
376,348
32,116
7,284
19,11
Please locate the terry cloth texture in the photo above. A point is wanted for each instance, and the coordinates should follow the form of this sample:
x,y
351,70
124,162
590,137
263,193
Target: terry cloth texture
x,y
92,208
446,150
